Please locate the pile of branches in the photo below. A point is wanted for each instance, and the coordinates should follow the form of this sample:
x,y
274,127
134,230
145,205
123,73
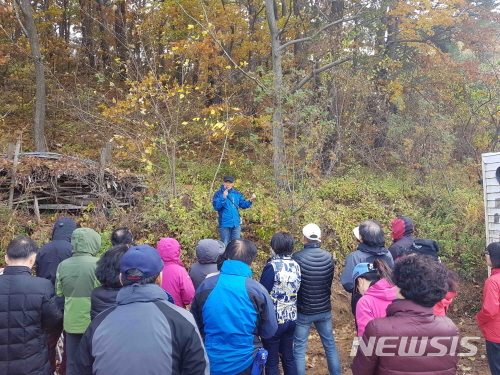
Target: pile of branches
x,y
56,182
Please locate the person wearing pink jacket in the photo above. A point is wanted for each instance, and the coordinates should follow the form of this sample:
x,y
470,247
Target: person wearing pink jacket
x,y
373,282
175,279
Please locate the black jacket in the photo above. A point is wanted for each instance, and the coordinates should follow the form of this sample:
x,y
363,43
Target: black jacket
x,y
397,249
50,255
316,267
101,299
27,306
364,254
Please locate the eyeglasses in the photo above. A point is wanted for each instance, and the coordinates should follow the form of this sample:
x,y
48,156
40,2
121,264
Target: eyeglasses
x,y
486,253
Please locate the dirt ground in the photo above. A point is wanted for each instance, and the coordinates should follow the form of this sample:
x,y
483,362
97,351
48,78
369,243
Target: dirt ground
x,y
463,312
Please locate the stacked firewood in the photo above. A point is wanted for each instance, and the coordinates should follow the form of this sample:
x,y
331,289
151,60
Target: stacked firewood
x,y
48,181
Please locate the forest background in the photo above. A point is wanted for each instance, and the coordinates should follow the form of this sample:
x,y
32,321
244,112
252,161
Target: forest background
x,y
331,111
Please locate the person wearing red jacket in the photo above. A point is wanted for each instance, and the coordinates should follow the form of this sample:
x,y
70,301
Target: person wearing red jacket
x,y
489,316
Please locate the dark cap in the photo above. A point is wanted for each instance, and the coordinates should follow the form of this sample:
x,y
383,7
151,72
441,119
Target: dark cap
x,y
228,178
425,247
144,258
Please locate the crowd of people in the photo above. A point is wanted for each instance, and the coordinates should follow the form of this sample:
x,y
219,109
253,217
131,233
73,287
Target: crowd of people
x,y
137,309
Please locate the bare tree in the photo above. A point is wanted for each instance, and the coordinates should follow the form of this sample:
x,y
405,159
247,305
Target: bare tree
x,y
278,89
41,95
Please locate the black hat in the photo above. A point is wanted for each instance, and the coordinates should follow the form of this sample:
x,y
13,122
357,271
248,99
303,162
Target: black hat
x,y
228,178
425,247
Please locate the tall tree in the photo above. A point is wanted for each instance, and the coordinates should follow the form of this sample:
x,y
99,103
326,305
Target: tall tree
x,y
41,95
278,91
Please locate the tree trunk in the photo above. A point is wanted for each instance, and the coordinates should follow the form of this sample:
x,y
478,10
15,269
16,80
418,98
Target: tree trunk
x,y
103,27
278,142
41,95
86,15
120,37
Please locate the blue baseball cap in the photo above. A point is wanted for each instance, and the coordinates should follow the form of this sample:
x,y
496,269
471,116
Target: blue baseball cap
x,y
144,258
360,269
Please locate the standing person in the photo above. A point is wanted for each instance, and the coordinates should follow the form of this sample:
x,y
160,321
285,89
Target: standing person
x,y
233,312
441,308
372,247
75,280
488,318
402,234
175,279
411,339
431,248
227,201
281,278
207,252
28,306
47,259
122,235
143,333
108,274
373,282
313,301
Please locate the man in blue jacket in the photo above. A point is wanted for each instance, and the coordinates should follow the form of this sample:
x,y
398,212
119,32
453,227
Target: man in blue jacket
x,y
227,201
233,312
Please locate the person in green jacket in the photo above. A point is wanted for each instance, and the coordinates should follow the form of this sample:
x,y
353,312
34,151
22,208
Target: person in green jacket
x,y
75,280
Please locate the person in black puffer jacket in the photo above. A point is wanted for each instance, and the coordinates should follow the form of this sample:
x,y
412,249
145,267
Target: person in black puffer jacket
x,y
313,300
27,306
107,272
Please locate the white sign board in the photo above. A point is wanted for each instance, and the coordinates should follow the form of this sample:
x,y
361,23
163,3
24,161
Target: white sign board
x,y
491,188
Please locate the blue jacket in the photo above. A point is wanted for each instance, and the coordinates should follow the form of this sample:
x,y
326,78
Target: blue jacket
x,y
231,311
229,216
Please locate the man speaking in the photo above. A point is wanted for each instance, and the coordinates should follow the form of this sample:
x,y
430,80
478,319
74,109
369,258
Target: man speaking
x,y
227,201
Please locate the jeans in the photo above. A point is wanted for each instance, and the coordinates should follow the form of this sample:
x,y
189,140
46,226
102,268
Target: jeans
x,y
281,342
493,355
72,342
229,234
323,324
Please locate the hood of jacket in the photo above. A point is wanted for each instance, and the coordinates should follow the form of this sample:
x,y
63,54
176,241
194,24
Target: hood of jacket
x,y
402,307
236,267
140,293
170,251
63,229
208,250
382,290
402,227
85,241
374,250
